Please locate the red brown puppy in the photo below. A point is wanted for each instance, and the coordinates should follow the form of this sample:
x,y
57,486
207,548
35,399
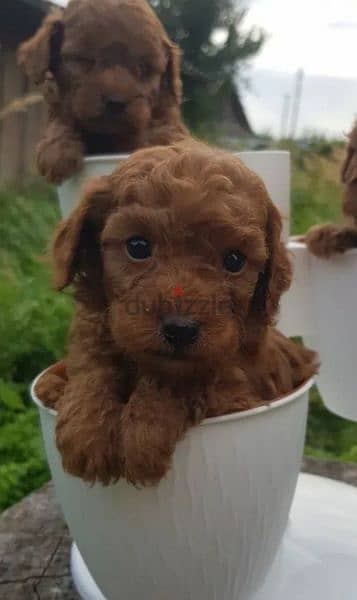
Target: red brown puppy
x,y
178,269
111,79
326,240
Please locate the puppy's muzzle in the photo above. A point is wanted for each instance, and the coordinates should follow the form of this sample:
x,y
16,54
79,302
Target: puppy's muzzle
x,y
179,332
114,107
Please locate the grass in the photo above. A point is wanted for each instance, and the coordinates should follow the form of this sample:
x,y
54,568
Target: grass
x,y
33,328
34,320
329,436
316,189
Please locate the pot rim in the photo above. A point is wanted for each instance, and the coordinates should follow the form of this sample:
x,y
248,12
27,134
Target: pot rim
x,y
275,404
294,243
124,155
106,157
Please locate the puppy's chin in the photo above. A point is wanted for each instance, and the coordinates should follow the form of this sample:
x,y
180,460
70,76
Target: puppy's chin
x,y
174,367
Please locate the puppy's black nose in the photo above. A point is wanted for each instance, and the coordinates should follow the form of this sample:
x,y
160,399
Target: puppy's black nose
x,y
114,107
179,332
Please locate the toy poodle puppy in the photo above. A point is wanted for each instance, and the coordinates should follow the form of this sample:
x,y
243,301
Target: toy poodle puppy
x,y
178,269
327,240
111,79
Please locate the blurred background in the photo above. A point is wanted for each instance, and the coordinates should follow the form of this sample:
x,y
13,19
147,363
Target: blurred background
x,y
257,74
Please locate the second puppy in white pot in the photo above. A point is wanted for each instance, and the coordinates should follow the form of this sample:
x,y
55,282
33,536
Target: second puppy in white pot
x,y
110,77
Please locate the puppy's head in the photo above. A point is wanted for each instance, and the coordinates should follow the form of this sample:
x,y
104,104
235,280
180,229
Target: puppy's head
x,y
182,244
349,176
110,63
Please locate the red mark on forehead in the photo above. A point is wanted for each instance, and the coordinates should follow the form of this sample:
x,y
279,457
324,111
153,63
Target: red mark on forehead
x,y
177,291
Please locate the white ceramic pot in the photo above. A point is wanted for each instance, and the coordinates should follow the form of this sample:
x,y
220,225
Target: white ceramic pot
x,y
334,332
211,529
296,312
93,166
272,166
321,306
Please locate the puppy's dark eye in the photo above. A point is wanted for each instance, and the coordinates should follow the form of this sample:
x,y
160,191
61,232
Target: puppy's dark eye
x,y
234,261
144,70
138,248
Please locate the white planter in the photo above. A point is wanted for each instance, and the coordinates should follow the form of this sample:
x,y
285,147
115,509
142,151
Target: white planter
x,y
321,306
69,192
296,316
272,166
211,529
334,331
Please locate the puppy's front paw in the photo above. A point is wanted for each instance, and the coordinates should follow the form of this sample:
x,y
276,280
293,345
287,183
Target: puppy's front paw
x,y
59,161
151,425
91,455
50,389
325,240
147,455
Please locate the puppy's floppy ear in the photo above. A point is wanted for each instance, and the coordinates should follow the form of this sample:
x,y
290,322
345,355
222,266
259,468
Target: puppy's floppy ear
x,y
76,245
277,274
349,176
171,79
39,55
349,166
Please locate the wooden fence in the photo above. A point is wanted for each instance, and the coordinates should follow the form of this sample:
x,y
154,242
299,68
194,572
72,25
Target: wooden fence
x,y
20,130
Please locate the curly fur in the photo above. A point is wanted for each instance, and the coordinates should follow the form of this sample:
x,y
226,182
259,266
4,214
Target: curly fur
x,y
111,79
129,398
327,240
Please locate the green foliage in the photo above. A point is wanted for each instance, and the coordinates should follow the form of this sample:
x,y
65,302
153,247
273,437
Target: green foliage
x,y
34,317
33,327
329,436
22,462
215,51
326,206
316,190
